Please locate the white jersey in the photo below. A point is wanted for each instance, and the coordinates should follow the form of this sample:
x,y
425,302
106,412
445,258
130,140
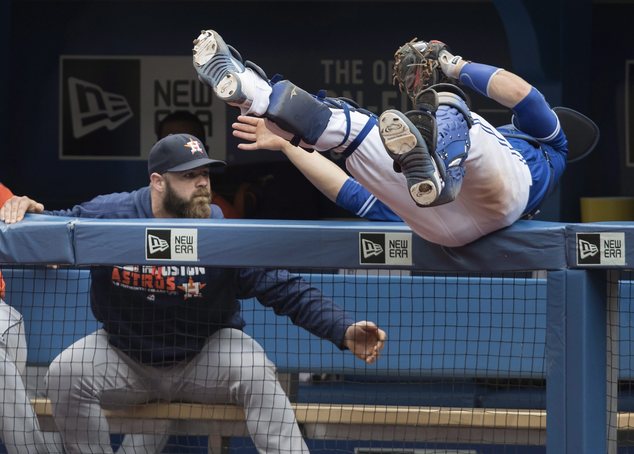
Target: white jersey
x,y
494,192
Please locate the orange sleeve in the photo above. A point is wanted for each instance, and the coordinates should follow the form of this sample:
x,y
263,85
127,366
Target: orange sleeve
x,y
5,194
227,208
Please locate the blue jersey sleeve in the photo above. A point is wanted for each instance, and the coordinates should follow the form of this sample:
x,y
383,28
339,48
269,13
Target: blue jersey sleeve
x,y
358,200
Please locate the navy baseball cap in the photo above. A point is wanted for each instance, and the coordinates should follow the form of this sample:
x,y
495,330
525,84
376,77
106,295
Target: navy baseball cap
x,y
178,152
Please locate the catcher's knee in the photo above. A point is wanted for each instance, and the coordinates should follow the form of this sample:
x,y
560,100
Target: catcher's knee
x,y
298,112
307,116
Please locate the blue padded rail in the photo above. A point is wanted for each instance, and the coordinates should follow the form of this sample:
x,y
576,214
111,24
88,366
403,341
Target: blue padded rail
x,y
37,239
527,245
320,244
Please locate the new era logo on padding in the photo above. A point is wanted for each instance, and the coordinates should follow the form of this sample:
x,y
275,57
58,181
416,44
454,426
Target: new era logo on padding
x,y
385,248
587,250
370,249
605,248
171,244
156,244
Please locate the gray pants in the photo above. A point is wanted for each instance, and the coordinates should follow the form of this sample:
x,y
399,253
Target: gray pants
x,y
19,427
231,368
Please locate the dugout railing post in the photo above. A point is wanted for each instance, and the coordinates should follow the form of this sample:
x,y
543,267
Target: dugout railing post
x,y
576,362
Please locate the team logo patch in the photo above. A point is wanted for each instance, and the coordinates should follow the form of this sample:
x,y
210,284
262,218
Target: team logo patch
x,y
385,248
192,289
195,146
171,244
606,248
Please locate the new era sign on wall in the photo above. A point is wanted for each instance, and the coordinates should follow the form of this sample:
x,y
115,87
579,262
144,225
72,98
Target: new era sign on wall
x,y
110,106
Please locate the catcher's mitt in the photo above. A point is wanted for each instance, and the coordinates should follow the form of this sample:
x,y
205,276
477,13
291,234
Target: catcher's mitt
x,y
416,67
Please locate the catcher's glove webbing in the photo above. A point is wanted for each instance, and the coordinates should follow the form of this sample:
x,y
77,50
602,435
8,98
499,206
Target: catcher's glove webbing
x,y
416,67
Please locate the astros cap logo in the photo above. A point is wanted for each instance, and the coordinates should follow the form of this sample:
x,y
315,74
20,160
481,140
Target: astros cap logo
x,y
194,146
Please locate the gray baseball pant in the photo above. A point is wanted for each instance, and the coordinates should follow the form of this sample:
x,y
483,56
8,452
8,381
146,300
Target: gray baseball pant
x,y
231,368
19,427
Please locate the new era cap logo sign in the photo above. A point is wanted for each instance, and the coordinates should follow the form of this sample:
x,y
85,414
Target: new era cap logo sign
x,y
371,249
588,250
100,107
156,245
111,105
92,108
607,248
385,248
171,244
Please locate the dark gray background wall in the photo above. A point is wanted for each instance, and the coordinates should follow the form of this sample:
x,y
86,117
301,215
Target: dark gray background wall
x,y
575,51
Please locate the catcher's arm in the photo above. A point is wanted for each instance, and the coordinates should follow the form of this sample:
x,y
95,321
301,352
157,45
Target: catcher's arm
x,y
324,174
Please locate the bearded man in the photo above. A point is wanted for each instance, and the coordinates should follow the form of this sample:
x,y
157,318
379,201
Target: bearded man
x,y
174,333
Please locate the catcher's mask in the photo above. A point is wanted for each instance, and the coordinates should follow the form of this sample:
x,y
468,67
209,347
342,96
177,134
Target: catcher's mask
x,y
416,68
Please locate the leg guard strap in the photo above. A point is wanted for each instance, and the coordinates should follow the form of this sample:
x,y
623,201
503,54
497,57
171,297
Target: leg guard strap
x,y
372,121
338,104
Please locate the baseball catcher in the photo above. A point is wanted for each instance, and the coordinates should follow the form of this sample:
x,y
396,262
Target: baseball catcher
x,y
442,168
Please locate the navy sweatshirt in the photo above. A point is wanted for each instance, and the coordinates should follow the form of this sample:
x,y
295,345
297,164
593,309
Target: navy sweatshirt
x,y
161,315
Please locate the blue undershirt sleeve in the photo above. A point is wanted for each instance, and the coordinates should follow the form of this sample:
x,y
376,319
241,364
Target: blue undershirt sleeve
x,y
358,200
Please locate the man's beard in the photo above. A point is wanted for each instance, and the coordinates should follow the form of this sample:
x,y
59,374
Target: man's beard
x,y
196,207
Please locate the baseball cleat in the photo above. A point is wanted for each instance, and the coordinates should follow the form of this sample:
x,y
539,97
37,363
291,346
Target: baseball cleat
x,y
409,151
219,66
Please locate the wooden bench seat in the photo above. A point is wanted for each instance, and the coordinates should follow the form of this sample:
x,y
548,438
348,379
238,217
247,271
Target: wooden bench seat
x,y
334,422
